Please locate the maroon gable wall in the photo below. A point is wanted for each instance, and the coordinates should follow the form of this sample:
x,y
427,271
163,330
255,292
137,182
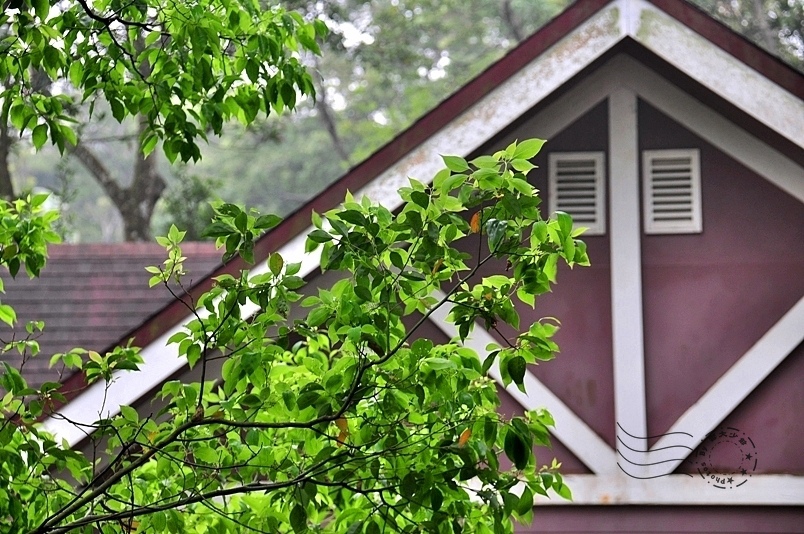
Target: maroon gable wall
x,y
709,297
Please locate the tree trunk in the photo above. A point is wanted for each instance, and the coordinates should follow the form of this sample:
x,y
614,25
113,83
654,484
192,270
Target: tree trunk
x,y
765,30
325,114
135,203
510,20
6,185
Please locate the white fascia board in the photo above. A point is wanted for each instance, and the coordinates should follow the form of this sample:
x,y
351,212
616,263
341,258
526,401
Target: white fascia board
x,y
570,429
497,110
679,490
716,69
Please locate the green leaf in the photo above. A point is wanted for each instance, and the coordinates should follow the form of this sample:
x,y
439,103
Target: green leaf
x,y
206,454
76,73
364,293
149,144
516,368
266,222
528,148
455,163
7,314
42,8
39,136
564,223
515,449
420,198
129,413
495,229
436,499
218,229
319,236
525,503
298,519
522,165
275,263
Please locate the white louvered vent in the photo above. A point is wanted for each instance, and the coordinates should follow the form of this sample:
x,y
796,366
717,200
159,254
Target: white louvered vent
x,y
671,186
578,188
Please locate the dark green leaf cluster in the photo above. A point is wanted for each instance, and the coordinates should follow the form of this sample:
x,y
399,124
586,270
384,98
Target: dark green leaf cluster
x,y
332,412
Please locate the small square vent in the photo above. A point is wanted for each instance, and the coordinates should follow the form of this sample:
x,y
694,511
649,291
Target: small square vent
x,y
577,187
671,187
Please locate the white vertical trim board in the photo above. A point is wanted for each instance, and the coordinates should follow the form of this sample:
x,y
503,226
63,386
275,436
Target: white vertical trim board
x,y
626,269
679,490
671,187
576,183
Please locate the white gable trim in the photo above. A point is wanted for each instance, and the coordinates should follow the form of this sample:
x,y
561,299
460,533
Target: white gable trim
x,y
715,68
680,490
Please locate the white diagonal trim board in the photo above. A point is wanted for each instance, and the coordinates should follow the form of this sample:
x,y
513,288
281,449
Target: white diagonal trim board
x,y
570,429
741,379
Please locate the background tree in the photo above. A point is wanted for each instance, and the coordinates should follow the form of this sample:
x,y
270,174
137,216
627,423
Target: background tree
x,y
180,70
775,25
341,420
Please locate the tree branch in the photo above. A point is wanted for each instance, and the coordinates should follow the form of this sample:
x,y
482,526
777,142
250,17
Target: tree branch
x,y
99,171
106,21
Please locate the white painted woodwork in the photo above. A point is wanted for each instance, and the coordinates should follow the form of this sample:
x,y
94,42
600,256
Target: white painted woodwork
x,y
683,490
671,187
626,266
576,182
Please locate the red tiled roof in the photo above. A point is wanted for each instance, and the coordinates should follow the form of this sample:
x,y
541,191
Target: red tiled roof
x,y
92,296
